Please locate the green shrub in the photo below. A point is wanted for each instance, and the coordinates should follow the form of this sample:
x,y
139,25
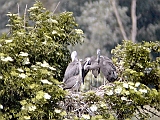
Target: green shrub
x,y
33,58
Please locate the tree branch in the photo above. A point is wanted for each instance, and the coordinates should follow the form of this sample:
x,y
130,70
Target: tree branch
x,y
25,11
134,21
56,7
18,9
119,20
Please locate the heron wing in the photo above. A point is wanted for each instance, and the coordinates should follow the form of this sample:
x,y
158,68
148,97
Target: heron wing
x,y
108,69
70,82
71,70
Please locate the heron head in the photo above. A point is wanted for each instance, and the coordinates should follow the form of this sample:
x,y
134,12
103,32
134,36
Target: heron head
x,y
88,61
98,51
98,54
73,55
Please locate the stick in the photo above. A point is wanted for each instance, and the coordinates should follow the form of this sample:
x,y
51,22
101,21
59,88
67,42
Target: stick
x,y
18,9
25,16
56,7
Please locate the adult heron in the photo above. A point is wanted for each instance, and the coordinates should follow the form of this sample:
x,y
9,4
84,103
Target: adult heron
x,y
73,75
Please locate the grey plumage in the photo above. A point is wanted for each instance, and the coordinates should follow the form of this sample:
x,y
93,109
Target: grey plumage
x,y
105,65
72,68
92,64
73,76
108,69
75,81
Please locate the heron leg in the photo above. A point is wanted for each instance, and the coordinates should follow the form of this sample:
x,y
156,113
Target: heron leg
x,y
97,82
104,81
90,85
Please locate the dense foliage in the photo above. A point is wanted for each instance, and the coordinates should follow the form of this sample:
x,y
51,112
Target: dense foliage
x,y
33,57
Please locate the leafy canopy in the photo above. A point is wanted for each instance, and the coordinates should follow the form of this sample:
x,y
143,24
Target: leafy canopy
x,y
33,57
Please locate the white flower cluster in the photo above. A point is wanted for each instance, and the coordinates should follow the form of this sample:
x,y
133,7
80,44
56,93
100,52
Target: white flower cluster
x,y
93,108
23,54
143,90
118,90
26,61
8,41
22,75
78,31
5,59
57,111
45,81
109,92
85,116
27,117
32,108
45,64
1,106
20,70
47,96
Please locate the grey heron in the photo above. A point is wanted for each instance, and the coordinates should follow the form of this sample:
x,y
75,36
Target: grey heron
x,y
73,76
108,69
92,65
104,65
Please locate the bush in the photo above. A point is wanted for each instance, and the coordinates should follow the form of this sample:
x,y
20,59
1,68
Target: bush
x,y
33,58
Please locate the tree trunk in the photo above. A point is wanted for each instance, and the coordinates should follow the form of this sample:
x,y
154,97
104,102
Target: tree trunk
x,y
119,20
134,21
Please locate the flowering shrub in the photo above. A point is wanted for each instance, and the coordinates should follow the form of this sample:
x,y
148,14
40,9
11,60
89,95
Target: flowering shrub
x,y
33,58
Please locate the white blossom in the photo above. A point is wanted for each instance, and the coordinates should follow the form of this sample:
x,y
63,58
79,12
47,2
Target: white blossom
x,y
0,45
133,88
5,59
127,92
20,70
23,54
54,32
22,75
143,90
110,92
44,64
125,85
118,90
1,77
44,42
8,41
52,68
86,116
47,96
137,84
1,106
93,108
123,98
46,81
32,108
26,61
78,31
27,117
22,107
32,8
57,111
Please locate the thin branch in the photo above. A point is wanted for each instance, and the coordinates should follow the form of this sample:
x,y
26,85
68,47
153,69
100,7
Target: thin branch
x,y
119,20
134,21
18,9
56,7
25,11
